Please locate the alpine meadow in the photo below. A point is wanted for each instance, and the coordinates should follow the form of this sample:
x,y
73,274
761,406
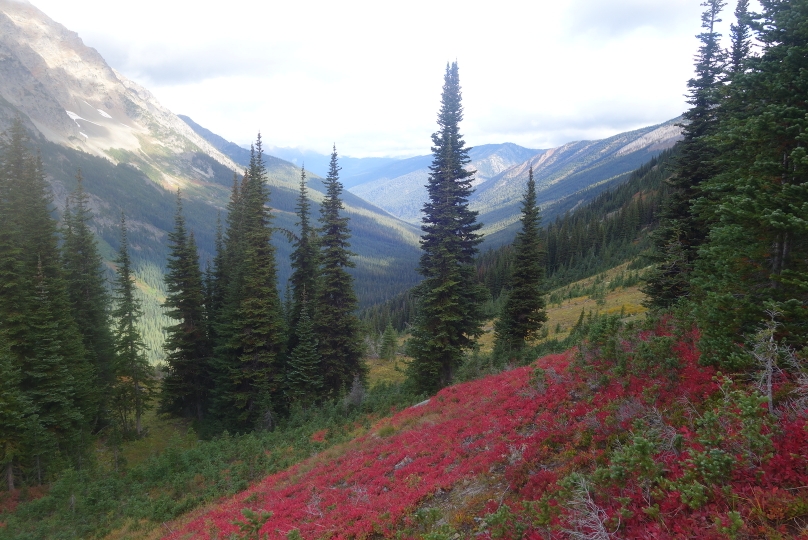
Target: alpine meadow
x,y
602,339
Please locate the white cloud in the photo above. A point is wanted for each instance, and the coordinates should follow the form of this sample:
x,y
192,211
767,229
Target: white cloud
x,y
367,74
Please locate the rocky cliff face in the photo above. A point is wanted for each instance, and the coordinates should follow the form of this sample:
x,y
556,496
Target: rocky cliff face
x,y
72,97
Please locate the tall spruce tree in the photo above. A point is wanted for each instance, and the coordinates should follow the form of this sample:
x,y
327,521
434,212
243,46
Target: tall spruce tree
x,y
337,326
250,332
89,297
524,311
682,230
449,316
134,377
187,381
757,254
304,261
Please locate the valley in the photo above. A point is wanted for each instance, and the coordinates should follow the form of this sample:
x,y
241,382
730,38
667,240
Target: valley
x,y
600,339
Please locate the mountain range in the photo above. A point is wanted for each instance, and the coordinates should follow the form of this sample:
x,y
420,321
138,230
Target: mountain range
x,y
134,154
566,176
502,170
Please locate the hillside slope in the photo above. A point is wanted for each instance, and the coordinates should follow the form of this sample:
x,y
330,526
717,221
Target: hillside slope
x,y
629,437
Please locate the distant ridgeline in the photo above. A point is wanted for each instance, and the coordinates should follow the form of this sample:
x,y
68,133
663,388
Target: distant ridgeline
x,y
612,228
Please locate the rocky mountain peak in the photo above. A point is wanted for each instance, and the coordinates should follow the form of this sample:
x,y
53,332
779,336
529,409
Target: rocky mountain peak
x,y
74,98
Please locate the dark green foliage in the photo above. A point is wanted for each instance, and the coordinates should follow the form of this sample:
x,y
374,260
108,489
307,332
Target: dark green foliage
x,y
250,331
214,284
304,376
304,260
49,376
187,381
389,345
399,311
449,318
89,297
134,378
336,323
682,230
756,255
524,311
15,410
740,37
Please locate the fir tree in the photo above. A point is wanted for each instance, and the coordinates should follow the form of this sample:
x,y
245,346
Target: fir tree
x,y
337,326
187,381
389,343
304,377
89,299
134,375
304,261
38,328
740,37
757,253
251,331
682,230
450,317
14,302
214,284
524,311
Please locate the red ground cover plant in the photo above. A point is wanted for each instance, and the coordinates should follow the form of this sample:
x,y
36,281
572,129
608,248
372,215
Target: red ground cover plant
x,y
628,437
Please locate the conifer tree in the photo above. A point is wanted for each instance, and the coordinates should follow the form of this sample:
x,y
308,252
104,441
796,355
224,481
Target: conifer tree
x,y
304,261
214,284
337,326
524,311
89,298
250,333
450,317
682,230
134,382
757,255
187,382
15,410
304,377
740,38
40,333
389,343
15,407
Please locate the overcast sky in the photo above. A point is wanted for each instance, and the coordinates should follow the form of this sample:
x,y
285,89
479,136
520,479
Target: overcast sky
x,y
367,75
